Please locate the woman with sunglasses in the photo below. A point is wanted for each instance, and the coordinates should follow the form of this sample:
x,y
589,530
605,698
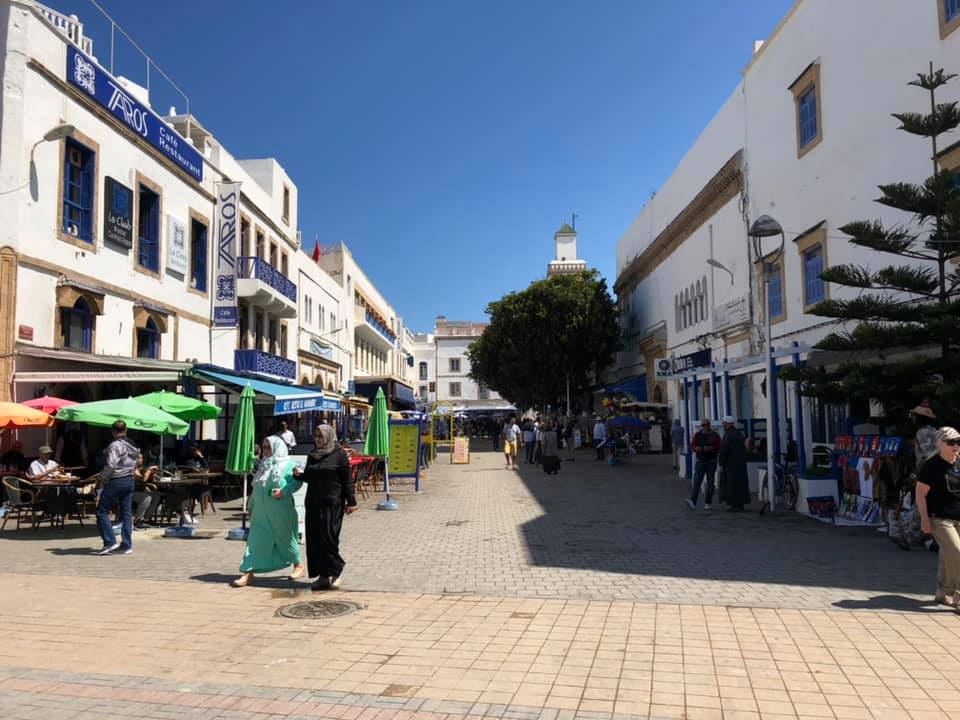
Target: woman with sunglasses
x,y
938,502
273,543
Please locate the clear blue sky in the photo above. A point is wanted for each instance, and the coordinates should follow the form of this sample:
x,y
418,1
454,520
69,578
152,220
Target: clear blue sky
x,y
445,142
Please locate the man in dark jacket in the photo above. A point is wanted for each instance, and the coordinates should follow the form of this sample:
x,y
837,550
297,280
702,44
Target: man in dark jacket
x,y
735,488
117,480
705,445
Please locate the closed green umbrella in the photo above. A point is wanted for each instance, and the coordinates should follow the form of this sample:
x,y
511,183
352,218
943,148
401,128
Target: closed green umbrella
x,y
181,406
137,416
240,456
377,443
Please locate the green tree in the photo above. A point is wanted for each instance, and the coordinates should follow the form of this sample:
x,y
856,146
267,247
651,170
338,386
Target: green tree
x,y
561,328
904,345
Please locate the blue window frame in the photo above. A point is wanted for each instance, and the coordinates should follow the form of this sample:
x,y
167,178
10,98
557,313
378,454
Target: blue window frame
x,y
807,109
812,267
775,293
79,163
76,326
148,230
198,256
951,9
148,340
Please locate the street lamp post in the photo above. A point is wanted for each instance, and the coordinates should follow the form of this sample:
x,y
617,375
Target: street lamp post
x,y
767,255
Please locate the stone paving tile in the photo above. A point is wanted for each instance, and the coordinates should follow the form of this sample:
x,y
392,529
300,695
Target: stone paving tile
x,y
593,532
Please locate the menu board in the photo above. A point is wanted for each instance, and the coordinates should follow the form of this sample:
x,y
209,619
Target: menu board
x,y
404,448
461,451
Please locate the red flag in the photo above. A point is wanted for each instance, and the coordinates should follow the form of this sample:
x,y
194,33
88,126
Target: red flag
x,y
316,251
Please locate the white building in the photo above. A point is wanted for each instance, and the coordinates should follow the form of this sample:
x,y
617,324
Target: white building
x,y
425,359
806,137
373,330
108,243
324,355
451,365
565,260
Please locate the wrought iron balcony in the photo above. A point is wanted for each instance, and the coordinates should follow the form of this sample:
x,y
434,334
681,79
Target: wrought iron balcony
x,y
254,268
265,363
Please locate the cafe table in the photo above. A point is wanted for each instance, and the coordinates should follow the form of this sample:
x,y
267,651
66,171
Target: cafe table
x,y
59,501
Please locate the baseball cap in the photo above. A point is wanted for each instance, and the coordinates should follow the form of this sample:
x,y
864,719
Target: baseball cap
x,y
947,433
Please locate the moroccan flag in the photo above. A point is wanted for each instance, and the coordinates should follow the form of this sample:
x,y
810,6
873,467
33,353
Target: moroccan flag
x,y
316,251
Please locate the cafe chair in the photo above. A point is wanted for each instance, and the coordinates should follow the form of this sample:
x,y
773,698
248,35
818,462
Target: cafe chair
x,y
22,502
361,472
87,496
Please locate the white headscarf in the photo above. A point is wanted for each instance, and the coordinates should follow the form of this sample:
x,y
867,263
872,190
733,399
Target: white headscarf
x,y
271,468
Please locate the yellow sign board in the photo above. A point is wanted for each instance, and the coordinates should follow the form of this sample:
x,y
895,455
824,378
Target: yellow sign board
x,y
404,448
461,451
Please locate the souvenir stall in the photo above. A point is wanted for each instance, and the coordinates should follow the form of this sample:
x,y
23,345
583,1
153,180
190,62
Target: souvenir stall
x,y
871,470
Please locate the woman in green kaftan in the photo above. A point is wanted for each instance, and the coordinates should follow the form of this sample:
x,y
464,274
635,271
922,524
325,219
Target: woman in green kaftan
x,y
273,543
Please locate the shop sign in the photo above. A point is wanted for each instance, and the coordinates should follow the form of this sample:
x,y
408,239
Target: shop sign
x,y
176,245
25,332
663,368
731,313
698,359
118,214
297,405
106,91
225,260
318,348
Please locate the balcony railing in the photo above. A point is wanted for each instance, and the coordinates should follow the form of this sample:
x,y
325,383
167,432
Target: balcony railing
x,y
254,268
70,26
265,363
372,321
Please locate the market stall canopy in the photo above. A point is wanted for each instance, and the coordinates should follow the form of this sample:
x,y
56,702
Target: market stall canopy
x,y
635,388
14,415
137,416
286,399
181,406
47,404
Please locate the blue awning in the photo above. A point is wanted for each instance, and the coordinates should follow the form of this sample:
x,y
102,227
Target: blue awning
x,y
635,387
286,399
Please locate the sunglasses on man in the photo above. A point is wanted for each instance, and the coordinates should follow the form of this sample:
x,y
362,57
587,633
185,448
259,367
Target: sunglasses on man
x,y
955,442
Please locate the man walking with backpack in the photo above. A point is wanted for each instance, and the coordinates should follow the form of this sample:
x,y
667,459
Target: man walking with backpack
x,y
117,480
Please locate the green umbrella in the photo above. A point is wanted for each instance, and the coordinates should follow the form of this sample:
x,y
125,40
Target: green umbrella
x,y
240,450
134,413
377,443
181,406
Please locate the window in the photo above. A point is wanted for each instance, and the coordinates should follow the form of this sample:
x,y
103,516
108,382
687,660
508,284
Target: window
x,y
433,387
775,295
148,340
198,255
483,392
423,391
285,265
283,340
148,229
827,420
423,371
949,12
286,204
244,237
243,341
807,105
455,365
272,337
333,322
76,326
258,330
455,389
261,244
812,284
806,95
273,255
79,179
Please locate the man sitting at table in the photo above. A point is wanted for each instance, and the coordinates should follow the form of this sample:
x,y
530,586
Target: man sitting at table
x,y
44,466
13,458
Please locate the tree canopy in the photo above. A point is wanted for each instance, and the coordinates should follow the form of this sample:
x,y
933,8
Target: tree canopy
x,y
903,346
559,328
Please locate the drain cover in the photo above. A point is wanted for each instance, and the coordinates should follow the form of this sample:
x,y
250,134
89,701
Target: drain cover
x,y
318,609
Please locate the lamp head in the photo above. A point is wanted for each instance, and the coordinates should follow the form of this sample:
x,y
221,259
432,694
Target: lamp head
x,y
58,133
765,227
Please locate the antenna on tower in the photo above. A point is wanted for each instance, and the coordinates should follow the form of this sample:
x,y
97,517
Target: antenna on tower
x,y
573,220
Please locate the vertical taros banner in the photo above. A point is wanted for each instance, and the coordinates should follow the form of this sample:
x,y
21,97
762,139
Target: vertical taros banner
x,y
225,267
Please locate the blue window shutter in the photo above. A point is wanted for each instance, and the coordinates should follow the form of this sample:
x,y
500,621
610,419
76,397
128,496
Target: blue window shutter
x,y
87,180
951,9
155,234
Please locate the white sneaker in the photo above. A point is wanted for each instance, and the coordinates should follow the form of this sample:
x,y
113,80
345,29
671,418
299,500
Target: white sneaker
x,y
690,504
107,549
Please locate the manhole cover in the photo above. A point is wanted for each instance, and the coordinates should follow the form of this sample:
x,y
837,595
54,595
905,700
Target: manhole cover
x,y
318,609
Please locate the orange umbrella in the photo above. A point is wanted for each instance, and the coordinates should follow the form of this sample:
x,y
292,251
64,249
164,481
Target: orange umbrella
x,y
13,415
48,404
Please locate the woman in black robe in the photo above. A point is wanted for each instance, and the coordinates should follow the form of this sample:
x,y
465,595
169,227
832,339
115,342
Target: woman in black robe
x,y
329,495
735,487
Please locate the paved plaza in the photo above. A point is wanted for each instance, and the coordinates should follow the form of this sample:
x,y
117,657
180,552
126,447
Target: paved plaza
x,y
592,594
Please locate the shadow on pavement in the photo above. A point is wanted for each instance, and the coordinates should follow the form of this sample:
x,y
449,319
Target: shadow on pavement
x,y
261,581
893,602
630,518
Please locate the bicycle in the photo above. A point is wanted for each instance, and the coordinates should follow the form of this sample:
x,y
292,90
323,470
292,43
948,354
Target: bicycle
x,y
787,487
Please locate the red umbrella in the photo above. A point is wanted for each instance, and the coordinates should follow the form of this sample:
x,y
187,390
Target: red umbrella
x,y
47,404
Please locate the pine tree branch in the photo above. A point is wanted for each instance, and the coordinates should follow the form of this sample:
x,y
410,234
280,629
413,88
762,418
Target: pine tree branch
x,y
869,307
874,236
919,281
944,118
929,81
